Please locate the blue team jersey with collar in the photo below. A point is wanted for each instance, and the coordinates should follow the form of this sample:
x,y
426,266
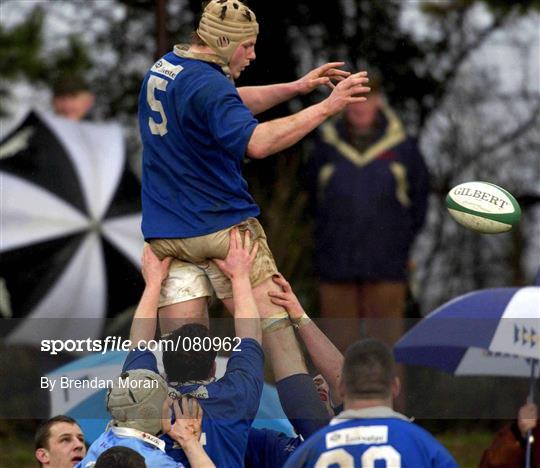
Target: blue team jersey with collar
x,y
153,456
229,404
195,130
387,442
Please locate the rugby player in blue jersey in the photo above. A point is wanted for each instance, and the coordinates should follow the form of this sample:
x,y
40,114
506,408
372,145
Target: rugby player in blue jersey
x,y
369,432
197,128
231,402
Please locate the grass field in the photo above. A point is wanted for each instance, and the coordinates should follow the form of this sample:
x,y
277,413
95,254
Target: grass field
x,y
466,446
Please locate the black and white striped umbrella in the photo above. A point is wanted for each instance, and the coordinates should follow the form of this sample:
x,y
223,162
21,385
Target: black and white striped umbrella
x,y
70,237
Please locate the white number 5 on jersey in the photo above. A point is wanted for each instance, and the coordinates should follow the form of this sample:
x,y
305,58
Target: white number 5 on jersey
x,y
154,83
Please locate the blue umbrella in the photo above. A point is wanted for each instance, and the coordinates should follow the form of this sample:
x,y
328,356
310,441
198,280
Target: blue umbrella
x,y
87,405
486,332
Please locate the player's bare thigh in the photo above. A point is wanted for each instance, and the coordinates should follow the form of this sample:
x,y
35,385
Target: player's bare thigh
x,y
184,296
174,316
266,308
187,283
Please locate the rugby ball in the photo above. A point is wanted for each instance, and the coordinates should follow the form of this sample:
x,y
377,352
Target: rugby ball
x,y
483,207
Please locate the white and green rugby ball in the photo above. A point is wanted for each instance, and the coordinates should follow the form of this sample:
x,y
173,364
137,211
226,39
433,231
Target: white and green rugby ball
x,y
483,207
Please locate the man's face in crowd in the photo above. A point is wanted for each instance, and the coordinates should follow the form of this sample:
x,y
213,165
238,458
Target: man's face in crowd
x,y
73,106
242,57
363,115
65,446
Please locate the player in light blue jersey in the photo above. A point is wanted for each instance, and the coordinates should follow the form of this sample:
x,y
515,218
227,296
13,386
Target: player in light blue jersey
x,y
138,404
369,433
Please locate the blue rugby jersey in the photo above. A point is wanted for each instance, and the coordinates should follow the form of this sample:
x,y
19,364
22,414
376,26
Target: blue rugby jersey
x,y
229,403
372,438
195,130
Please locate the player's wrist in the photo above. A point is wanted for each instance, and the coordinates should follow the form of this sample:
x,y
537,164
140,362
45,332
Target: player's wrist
x,y
325,108
241,280
300,321
298,88
189,444
153,286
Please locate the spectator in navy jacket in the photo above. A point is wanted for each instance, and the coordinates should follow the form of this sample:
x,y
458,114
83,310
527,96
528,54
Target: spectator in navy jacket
x,y
370,186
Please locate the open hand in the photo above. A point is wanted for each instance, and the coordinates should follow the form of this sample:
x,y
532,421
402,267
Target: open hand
x,y
286,298
347,92
241,255
188,420
323,75
153,269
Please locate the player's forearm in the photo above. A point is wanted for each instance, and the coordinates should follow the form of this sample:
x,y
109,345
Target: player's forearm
x,y
325,356
261,98
143,326
276,135
246,315
196,455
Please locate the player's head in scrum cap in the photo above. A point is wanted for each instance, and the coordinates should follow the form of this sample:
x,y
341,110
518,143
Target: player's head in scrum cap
x,y
369,373
59,443
185,365
137,401
230,29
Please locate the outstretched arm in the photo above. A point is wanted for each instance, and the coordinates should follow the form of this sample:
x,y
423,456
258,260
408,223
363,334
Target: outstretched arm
x,y
261,98
325,356
276,135
236,266
154,271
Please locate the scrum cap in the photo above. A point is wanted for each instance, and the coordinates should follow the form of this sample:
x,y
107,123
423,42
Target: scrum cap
x,y
225,24
136,400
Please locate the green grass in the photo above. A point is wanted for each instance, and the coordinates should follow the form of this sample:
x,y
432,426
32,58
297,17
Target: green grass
x,y
466,446
17,453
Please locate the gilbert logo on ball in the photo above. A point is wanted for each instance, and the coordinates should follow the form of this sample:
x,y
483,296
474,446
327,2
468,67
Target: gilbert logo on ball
x,y
483,207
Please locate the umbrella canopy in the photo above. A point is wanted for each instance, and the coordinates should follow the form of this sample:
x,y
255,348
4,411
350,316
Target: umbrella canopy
x,y
486,332
70,236
87,405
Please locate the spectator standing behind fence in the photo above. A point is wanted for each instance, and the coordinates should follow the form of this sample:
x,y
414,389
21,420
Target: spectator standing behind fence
x,y
370,186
